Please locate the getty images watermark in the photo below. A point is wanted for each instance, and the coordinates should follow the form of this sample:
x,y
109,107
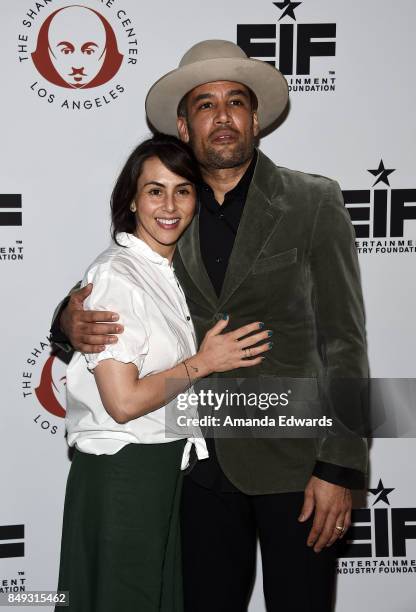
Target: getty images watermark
x,y
286,407
222,405
262,407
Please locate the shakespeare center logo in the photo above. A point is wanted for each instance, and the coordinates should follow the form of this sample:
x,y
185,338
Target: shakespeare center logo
x,y
43,385
381,537
303,52
383,216
75,56
10,217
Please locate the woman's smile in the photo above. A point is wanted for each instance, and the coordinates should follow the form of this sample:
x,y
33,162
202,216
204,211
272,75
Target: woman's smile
x,y
168,224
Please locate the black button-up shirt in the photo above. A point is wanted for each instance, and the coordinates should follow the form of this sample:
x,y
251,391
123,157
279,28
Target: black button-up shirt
x,y
218,225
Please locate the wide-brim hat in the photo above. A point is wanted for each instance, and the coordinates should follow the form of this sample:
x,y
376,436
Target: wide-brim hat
x,y
216,60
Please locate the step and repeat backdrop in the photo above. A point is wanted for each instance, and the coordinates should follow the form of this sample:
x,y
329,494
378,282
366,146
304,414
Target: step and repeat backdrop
x,y
66,131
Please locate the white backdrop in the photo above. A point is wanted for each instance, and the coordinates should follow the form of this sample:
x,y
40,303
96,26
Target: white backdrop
x,y
61,149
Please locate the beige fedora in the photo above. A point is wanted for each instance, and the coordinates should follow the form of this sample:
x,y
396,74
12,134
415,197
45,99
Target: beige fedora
x,y
216,60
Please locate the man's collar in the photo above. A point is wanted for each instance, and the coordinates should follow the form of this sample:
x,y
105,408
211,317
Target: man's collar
x,y
242,187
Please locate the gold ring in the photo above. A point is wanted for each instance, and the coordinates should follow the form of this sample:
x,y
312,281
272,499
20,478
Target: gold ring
x,y
340,528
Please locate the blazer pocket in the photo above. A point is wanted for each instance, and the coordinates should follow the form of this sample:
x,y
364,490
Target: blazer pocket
x,y
280,260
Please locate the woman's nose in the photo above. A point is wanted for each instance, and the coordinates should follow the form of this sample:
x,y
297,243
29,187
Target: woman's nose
x,y
169,203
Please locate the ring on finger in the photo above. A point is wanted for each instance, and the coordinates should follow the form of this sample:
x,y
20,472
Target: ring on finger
x,y
340,529
247,352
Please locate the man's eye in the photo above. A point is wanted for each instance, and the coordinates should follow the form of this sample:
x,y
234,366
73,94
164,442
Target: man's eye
x,y
236,102
205,105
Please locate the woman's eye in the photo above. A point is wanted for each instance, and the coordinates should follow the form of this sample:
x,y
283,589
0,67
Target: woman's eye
x,y
88,51
67,51
155,192
184,192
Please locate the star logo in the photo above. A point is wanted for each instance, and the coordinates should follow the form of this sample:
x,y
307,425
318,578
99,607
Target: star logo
x,y
382,173
288,7
381,492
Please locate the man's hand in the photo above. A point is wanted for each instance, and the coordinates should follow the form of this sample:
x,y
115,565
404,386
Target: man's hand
x,y
332,504
86,329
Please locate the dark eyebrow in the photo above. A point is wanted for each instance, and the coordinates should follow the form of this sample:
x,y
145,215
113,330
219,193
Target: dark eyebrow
x,y
202,96
153,183
162,185
88,44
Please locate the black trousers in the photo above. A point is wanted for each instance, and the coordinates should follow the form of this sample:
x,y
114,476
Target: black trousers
x,y
219,536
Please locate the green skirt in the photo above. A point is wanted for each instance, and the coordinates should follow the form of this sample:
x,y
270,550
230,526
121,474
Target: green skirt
x,y
120,537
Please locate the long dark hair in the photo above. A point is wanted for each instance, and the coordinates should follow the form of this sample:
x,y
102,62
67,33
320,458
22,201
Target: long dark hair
x,y
173,154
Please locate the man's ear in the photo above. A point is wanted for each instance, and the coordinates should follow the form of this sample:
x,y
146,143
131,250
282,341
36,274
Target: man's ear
x,y
256,127
183,131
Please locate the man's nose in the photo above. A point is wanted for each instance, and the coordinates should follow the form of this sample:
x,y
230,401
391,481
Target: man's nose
x,y
223,113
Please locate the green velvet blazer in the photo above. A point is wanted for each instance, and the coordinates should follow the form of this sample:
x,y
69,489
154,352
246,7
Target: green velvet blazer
x,y
294,266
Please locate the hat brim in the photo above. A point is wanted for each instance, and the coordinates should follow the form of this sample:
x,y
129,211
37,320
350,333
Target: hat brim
x,y
269,85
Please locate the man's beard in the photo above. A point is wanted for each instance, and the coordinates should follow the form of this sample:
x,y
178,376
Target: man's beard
x,y
218,158
221,158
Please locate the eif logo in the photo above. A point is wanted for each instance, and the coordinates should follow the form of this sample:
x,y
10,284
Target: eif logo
x,y
9,547
295,48
10,209
381,211
378,532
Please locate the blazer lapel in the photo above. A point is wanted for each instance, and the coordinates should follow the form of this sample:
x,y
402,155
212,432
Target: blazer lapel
x,y
262,212
190,253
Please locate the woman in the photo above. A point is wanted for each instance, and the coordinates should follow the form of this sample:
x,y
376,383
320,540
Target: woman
x,y
120,542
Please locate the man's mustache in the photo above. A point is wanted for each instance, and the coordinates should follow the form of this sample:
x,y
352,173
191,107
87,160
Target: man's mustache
x,y
224,129
76,71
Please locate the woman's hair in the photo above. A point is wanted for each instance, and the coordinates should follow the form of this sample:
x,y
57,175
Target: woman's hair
x,y
173,154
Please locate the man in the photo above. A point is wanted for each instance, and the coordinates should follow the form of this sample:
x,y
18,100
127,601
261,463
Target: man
x,y
275,245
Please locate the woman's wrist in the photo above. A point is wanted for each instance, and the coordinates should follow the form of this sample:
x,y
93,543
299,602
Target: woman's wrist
x,y
197,367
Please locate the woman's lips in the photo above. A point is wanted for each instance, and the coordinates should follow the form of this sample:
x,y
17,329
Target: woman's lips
x,y
168,224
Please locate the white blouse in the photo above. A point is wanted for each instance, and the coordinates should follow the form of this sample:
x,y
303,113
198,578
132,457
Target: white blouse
x,y
141,286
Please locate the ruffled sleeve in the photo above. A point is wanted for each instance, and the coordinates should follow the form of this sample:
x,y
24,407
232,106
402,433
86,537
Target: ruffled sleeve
x,y
113,292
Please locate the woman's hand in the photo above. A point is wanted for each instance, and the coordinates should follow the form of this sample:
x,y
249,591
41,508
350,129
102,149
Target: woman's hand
x,y
222,352
126,397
